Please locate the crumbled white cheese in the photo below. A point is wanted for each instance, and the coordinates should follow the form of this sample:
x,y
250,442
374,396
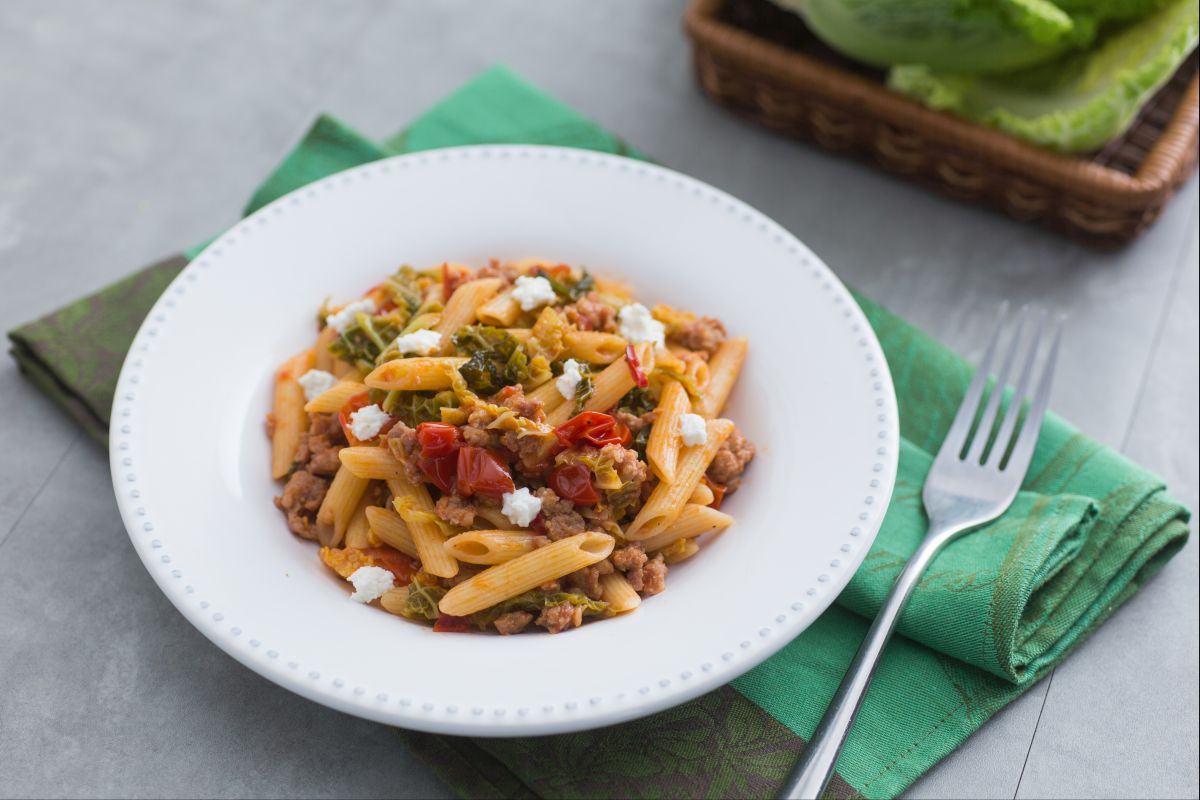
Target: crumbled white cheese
x,y
636,325
366,423
422,342
693,429
370,583
343,319
568,383
521,507
315,383
533,292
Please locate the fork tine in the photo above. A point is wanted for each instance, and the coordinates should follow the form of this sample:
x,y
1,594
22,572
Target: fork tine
x,y
1027,439
956,437
988,420
1004,435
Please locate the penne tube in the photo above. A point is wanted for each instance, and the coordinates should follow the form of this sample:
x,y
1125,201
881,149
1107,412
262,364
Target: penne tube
x,y
337,509
463,306
358,532
616,591
501,311
594,347
370,461
499,583
497,519
723,369
694,520
415,374
387,526
667,500
332,399
492,547
608,387
323,358
662,448
702,495
395,601
551,398
288,413
520,334
685,549
412,502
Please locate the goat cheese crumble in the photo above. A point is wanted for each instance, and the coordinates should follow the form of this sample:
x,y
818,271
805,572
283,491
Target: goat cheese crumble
x,y
693,429
370,583
343,319
421,342
521,507
366,423
533,292
315,383
568,383
636,325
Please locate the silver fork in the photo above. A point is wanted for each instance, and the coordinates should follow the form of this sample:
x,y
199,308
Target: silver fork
x,y
969,484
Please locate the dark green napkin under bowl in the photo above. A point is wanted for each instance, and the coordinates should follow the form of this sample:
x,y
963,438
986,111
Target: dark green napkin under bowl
x,y
995,612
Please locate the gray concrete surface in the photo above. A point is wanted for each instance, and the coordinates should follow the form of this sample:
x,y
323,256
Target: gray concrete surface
x,y
128,129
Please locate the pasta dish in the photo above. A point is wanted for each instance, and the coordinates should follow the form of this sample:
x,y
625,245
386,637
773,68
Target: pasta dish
x,y
517,446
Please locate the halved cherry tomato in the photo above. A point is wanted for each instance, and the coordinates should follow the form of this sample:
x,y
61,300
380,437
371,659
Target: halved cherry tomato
x,y
401,566
437,439
718,491
574,482
448,624
481,471
441,471
592,427
635,367
352,405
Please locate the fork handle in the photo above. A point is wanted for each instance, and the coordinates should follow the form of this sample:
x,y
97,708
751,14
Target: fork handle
x,y
814,769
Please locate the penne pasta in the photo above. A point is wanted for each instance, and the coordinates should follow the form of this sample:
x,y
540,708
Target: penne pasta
x,y
551,399
290,421
324,359
415,374
337,509
682,549
332,399
594,347
387,526
492,547
496,517
662,448
723,369
370,461
343,371
520,334
616,591
358,532
501,311
667,500
412,502
694,520
526,572
462,307
702,495
394,601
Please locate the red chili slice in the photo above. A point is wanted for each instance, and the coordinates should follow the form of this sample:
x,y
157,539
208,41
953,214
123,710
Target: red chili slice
x,y
635,367
574,482
448,624
718,491
481,471
437,439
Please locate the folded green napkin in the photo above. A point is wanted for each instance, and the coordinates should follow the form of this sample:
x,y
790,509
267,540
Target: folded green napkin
x,y
995,612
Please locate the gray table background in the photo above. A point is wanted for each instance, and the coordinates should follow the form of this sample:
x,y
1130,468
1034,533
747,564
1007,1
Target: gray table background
x,y
130,129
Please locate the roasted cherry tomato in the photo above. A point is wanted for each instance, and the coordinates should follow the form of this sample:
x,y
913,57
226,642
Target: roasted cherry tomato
x,y
442,472
401,566
448,624
352,405
481,471
635,367
718,491
437,439
574,482
592,427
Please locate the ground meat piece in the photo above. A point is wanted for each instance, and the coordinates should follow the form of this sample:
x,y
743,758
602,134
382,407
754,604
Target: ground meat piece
x,y
559,516
634,422
704,334
302,496
456,510
476,432
654,576
629,557
629,467
587,580
529,452
495,269
589,313
514,397
730,461
317,450
401,441
513,622
557,619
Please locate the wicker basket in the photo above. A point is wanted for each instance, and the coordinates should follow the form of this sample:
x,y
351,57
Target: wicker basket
x,y
761,62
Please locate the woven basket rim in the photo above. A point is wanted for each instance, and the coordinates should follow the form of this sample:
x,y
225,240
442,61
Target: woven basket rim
x,y
1156,177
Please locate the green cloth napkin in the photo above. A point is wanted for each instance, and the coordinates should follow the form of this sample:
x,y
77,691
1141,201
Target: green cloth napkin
x,y
995,612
